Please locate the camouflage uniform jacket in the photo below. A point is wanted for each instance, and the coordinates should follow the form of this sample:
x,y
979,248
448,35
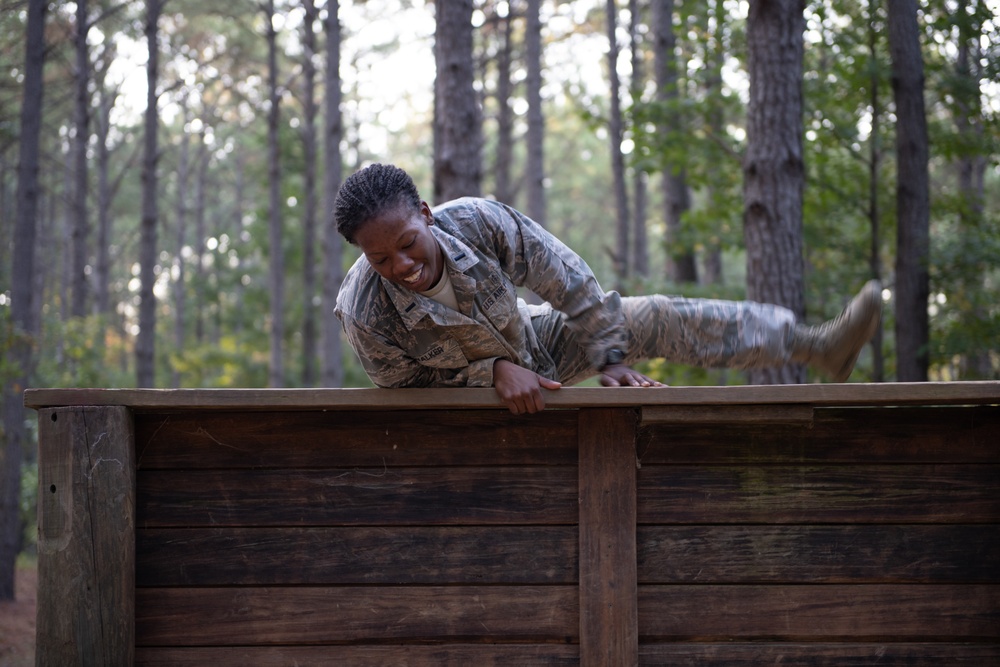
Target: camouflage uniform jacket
x,y
405,339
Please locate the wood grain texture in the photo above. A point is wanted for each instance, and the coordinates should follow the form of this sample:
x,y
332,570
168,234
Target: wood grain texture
x,y
819,554
904,612
447,655
820,494
320,615
608,629
360,556
894,393
819,654
331,439
375,496
899,435
86,541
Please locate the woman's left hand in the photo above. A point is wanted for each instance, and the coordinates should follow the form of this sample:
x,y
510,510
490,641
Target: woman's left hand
x,y
620,375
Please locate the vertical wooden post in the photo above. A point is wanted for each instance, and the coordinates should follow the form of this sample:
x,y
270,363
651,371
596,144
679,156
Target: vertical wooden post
x,y
86,537
609,632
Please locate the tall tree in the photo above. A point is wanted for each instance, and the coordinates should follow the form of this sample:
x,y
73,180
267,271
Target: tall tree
x,y
81,140
275,231
145,344
457,117
181,204
535,158
22,297
616,135
333,370
874,167
681,266
311,112
504,191
640,242
912,194
773,169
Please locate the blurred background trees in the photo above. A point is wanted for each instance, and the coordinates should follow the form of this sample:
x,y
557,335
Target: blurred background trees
x,y
177,231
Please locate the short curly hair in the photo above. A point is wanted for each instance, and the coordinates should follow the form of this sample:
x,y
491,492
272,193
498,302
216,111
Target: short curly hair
x,y
370,192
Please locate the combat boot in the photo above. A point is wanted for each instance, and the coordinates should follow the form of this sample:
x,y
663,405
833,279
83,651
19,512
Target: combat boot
x,y
833,347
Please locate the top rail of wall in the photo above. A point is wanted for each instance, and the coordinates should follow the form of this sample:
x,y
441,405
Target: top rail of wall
x,y
851,394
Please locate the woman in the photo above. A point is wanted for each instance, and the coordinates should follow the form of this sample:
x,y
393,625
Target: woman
x,y
432,302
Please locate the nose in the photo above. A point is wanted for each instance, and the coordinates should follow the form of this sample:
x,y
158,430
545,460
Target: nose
x,y
402,265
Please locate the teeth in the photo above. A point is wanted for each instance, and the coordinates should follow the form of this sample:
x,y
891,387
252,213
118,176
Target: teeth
x,y
413,277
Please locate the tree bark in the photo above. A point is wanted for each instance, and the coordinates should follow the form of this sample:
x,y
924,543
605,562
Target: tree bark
x,y
81,137
333,371
181,212
275,235
773,169
22,298
535,153
457,118
505,118
311,111
640,240
616,136
145,345
912,194
681,265
874,167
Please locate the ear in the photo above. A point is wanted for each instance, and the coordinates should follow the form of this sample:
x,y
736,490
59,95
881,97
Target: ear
x,y
425,210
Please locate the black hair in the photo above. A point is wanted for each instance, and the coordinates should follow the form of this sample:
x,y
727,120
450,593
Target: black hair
x,y
367,193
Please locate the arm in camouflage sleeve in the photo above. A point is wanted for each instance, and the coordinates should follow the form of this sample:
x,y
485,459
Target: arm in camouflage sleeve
x,y
536,259
389,366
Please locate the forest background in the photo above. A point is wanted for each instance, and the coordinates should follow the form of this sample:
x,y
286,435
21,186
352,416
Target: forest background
x,y
174,201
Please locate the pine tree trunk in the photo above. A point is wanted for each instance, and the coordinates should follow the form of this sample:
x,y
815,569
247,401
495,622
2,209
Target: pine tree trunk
x,y
276,233
616,135
310,109
640,240
146,340
681,265
181,212
505,118
457,119
874,166
773,170
333,369
81,137
20,354
535,150
912,194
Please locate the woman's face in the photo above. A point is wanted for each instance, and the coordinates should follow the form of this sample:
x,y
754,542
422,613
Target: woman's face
x,y
401,248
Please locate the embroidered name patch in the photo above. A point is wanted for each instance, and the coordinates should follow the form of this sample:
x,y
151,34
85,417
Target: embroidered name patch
x,y
430,354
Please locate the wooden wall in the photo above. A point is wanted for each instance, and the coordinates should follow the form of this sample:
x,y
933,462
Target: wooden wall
x,y
661,533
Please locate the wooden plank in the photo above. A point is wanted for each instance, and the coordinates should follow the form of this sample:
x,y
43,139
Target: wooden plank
x,y
86,537
882,612
717,415
363,555
899,435
819,554
608,626
819,494
895,393
313,615
929,654
200,439
447,655
383,496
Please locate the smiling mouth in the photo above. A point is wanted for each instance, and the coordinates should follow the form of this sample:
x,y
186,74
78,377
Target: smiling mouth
x,y
413,277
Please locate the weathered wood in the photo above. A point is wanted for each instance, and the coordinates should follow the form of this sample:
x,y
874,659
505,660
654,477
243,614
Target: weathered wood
x,y
353,439
904,612
899,435
363,555
449,655
819,654
819,554
376,496
741,415
820,494
316,615
86,541
896,393
608,627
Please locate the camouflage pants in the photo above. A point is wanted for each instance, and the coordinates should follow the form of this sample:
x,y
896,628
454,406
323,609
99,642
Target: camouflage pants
x,y
698,332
